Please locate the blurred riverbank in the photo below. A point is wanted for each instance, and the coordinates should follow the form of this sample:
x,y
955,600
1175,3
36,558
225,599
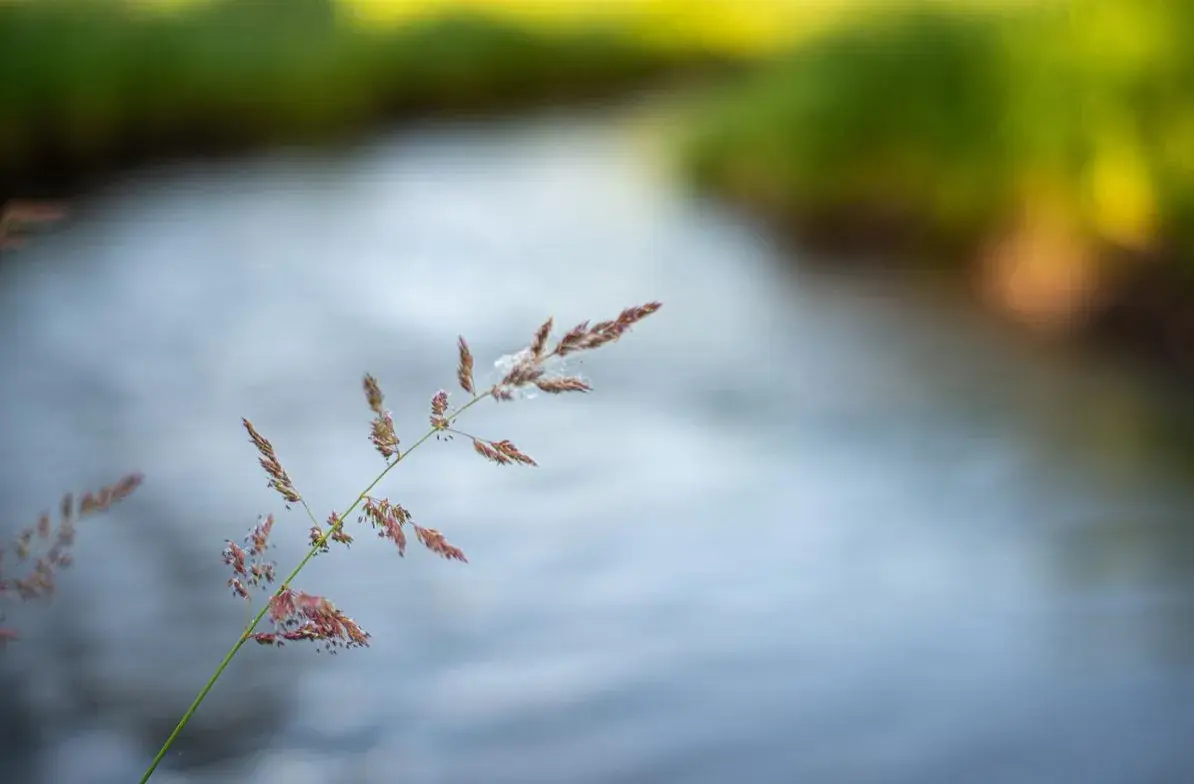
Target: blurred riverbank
x,y
91,88
1044,152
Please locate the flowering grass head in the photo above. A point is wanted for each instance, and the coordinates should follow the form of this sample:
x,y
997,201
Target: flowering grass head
x,y
41,550
536,367
297,616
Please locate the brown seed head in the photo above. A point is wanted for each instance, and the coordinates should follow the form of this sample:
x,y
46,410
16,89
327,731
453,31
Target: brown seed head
x,y
501,452
373,395
247,563
279,479
524,372
439,407
338,534
582,337
571,339
103,499
464,371
315,537
235,556
434,541
509,450
382,434
259,536
556,386
388,519
302,616
539,344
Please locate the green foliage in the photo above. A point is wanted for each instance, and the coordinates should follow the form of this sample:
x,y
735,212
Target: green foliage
x,y
86,82
956,121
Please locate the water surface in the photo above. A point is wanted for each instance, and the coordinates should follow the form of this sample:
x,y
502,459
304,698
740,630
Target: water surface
x,y
809,527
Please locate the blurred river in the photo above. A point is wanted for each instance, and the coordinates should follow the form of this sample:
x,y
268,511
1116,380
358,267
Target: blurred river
x,y
809,527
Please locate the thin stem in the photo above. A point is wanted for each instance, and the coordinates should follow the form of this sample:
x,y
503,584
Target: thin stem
x,y
315,548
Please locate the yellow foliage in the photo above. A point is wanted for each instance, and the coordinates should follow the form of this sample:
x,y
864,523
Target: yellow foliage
x,y
727,26
1122,194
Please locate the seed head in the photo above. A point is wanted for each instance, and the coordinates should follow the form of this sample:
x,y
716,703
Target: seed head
x,y
464,371
279,479
373,394
439,407
501,452
434,541
303,616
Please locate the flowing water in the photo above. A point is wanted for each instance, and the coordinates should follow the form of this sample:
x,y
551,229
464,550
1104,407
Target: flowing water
x,y
809,527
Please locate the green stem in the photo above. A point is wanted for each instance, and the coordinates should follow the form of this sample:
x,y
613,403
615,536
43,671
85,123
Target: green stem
x,y
315,548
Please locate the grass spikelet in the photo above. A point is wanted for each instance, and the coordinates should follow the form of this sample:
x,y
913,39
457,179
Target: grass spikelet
x,y
388,519
501,452
489,453
302,616
439,407
526,370
539,344
512,452
248,564
556,386
279,479
381,429
338,534
434,541
464,371
383,437
571,340
583,337
317,540
530,366
373,395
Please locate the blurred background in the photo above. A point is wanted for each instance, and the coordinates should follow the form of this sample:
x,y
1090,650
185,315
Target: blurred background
x,y
895,488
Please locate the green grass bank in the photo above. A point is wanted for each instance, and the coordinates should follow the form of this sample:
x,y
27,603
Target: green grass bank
x,y
89,85
1045,151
